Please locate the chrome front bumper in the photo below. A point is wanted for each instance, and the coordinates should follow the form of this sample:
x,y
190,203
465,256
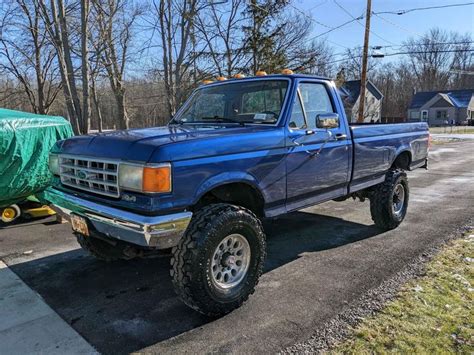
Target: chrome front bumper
x,y
160,232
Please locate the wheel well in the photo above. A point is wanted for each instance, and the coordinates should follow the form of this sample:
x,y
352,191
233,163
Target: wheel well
x,y
402,161
238,193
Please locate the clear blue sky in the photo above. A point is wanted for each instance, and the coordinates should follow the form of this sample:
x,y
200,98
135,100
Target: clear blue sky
x,y
394,29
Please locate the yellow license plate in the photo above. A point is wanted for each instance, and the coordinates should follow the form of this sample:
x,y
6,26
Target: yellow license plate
x,y
79,224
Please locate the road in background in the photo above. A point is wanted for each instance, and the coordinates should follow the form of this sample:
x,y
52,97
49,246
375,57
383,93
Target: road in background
x,y
320,260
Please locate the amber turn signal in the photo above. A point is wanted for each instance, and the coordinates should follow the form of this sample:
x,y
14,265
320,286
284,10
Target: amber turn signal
x,y
157,179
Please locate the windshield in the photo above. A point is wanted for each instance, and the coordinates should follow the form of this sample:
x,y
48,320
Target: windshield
x,y
257,101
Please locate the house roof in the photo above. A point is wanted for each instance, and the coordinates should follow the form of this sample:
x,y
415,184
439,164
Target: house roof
x,y
351,90
459,98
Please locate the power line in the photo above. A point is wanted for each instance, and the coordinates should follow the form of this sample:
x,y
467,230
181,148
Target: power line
x,y
319,23
334,28
309,17
428,44
397,26
398,53
330,29
462,71
360,23
423,52
403,12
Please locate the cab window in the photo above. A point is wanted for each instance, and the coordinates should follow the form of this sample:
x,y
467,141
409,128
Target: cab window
x,y
315,100
297,120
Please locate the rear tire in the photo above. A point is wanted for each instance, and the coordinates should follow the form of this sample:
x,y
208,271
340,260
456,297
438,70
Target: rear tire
x,y
101,249
217,264
389,200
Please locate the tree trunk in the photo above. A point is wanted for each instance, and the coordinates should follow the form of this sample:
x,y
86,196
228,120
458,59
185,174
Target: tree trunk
x,y
86,119
122,112
97,105
52,25
68,63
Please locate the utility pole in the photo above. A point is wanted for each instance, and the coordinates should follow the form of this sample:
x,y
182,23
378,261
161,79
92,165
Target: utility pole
x,y
363,77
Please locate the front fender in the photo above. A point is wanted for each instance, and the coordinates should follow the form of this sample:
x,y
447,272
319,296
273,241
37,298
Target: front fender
x,y
225,178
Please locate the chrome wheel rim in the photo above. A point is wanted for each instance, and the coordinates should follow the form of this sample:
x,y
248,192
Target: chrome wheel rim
x,y
230,261
398,199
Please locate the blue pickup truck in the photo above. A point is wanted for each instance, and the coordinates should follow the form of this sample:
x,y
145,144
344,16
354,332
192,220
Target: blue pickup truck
x,y
236,152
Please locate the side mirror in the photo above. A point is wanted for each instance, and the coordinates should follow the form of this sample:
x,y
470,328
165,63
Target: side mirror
x,y
327,120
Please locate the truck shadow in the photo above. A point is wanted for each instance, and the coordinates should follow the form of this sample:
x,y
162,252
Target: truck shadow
x,y
125,306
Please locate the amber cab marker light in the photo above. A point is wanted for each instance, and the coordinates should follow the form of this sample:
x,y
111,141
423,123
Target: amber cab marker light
x,y
239,76
261,73
205,82
287,71
221,78
157,179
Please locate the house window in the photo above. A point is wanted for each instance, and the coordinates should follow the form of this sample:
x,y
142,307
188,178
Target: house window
x,y
414,115
441,114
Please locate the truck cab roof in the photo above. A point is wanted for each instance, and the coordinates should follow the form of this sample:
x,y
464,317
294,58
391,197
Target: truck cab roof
x,y
269,76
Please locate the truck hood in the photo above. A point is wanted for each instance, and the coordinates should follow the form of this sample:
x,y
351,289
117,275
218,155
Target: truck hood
x,y
170,143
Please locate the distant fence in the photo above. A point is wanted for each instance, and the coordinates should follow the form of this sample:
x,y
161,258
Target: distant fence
x,y
393,119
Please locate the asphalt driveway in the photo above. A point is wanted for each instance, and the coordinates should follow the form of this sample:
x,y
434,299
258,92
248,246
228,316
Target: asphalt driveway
x,y
320,260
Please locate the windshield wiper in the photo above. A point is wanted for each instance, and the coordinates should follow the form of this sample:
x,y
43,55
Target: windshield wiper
x,y
242,123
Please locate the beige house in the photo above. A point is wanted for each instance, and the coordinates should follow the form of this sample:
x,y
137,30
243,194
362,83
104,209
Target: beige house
x,y
439,108
350,94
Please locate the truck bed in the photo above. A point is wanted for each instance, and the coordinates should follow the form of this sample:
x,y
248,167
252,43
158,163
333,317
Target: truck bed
x,y
377,145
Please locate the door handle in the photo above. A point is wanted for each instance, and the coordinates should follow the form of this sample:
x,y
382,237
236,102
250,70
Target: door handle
x,y
341,136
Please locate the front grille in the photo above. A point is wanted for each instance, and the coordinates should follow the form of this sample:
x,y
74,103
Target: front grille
x,y
96,176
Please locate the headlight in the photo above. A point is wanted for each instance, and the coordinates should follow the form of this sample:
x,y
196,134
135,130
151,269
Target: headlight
x,y
145,178
53,163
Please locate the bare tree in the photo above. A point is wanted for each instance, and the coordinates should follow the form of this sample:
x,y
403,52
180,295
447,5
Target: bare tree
x,y
85,34
95,70
462,62
353,64
430,59
26,54
58,29
220,27
115,20
175,26
295,50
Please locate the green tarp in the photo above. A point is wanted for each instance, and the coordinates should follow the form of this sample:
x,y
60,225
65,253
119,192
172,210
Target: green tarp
x,y
25,141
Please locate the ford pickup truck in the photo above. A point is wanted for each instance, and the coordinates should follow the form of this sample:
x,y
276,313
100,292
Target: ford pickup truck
x,y
236,152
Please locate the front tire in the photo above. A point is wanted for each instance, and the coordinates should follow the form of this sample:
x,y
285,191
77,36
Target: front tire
x,y
217,264
389,200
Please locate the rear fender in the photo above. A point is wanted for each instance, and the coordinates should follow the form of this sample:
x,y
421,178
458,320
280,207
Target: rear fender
x,y
403,149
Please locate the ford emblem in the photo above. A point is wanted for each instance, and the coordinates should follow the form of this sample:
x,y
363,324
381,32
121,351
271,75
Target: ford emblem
x,y
81,174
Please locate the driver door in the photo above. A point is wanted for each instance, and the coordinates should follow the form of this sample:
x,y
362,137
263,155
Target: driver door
x,y
317,162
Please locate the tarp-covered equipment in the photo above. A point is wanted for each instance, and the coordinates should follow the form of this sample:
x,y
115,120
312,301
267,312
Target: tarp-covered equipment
x,y
25,141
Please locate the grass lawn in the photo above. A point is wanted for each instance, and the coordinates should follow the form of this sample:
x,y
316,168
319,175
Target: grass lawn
x,y
432,314
444,141
454,130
